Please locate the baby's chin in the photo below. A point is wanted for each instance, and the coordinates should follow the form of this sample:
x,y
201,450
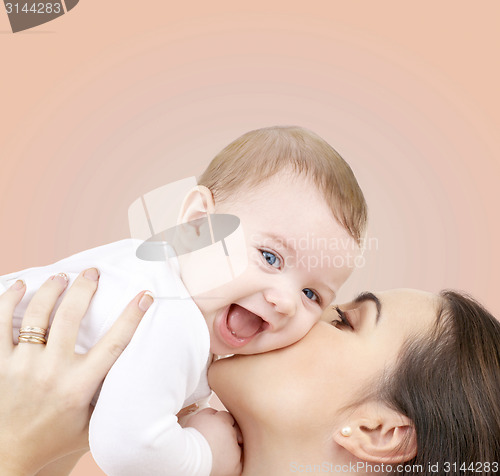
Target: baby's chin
x,y
249,350
224,351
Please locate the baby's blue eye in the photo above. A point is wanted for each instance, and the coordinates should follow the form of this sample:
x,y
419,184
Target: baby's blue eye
x,y
310,294
271,259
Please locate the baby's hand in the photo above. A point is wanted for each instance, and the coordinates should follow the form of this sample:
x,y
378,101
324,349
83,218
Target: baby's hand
x,y
222,434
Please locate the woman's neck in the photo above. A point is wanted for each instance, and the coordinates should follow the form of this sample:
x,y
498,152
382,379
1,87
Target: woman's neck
x,y
282,453
266,453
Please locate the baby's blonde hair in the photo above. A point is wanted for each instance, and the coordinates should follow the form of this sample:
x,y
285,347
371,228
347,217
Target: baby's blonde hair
x,y
257,155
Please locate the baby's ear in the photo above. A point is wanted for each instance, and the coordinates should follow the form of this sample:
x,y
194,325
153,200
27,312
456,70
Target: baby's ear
x,y
197,204
378,434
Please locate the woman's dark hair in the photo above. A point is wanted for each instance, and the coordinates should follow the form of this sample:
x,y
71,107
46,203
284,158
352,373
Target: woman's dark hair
x,y
448,384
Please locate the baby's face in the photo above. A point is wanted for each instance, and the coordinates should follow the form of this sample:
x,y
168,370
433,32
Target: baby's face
x,y
298,258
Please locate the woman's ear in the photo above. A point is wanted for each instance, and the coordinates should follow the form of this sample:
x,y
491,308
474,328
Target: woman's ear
x,y
378,434
198,203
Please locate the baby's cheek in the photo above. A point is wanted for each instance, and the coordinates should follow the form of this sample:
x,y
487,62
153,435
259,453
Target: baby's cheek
x,y
302,329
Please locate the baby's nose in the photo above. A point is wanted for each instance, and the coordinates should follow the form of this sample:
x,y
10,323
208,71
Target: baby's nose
x,y
282,301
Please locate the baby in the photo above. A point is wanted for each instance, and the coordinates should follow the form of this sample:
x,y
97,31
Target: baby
x,y
302,216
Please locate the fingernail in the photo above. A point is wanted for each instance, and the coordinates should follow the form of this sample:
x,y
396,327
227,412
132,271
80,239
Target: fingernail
x,y
92,274
61,277
146,300
19,284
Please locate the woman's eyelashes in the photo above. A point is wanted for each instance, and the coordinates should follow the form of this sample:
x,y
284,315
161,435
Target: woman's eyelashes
x,y
272,259
344,319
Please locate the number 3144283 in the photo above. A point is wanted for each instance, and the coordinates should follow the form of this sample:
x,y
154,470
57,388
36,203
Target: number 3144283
x,y
41,7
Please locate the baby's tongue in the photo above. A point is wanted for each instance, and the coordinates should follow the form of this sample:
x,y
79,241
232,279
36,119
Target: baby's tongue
x,y
241,322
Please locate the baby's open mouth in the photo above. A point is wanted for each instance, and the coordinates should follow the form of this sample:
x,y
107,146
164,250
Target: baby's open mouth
x,y
241,326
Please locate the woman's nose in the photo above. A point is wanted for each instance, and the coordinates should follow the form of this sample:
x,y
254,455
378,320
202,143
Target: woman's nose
x,y
282,301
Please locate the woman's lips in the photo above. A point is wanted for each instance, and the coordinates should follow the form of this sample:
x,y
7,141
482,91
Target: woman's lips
x,y
240,326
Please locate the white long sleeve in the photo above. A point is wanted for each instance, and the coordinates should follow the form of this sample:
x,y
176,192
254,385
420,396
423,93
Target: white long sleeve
x,y
134,430
129,415
117,284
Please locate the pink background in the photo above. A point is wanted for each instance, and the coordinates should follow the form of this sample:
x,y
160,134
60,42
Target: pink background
x,y
117,98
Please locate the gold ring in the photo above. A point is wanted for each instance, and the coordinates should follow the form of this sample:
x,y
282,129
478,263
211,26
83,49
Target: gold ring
x,y
32,335
32,339
33,331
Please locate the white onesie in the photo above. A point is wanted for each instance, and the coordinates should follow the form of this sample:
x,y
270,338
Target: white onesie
x,y
134,429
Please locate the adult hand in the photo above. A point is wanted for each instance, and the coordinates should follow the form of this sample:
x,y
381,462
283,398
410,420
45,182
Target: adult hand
x,y
46,390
